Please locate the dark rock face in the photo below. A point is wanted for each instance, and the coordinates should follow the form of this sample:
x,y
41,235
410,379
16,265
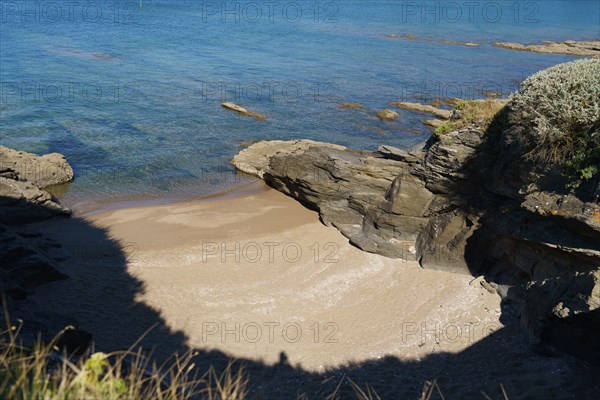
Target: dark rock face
x,y
25,261
22,202
23,265
73,341
442,243
459,205
348,187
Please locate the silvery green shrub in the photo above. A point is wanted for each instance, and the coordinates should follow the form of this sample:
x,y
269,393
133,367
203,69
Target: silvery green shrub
x,y
555,117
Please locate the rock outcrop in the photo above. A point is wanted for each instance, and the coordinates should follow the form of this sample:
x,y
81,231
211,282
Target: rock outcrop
x,y
387,115
42,171
434,123
22,202
22,179
424,108
23,265
26,259
350,188
458,204
569,47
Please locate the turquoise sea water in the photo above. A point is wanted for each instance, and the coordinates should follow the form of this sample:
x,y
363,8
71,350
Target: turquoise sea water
x,y
130,91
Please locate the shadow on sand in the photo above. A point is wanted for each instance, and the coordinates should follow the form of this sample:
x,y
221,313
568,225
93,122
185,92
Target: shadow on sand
x,y
101,296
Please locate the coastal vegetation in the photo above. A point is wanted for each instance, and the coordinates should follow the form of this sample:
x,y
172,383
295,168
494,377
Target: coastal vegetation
x,y
41,371
480,112
555,118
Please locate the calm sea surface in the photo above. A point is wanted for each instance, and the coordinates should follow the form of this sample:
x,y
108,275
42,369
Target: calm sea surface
x,y
130,91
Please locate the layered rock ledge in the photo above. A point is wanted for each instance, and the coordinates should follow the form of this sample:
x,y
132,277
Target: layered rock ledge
x,y
23,177
28,260
244,111
463,205
570,47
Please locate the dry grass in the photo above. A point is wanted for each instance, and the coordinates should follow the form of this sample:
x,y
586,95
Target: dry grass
x,y
480,112
445,101
41,372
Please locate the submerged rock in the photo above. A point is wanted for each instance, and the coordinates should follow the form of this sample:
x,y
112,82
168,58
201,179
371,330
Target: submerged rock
x,y
351,105
457,42
430,39
377,130
438,112
387,114
243,111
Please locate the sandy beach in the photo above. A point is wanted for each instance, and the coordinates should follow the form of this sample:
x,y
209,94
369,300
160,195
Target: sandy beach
x,y
259,275
258,278
314,200
255,275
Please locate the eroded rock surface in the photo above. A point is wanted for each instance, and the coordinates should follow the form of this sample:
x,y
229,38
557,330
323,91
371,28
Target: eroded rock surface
x,y
22,202
26,259
22,179
350,188
23,266
424,108
464,206
42,171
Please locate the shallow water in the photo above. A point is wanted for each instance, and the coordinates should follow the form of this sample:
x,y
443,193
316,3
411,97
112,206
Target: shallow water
x,y
131,95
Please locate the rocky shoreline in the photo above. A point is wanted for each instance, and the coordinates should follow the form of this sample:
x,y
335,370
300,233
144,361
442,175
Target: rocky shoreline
x,y
27,258
453,204
461,203
569,47
23,177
